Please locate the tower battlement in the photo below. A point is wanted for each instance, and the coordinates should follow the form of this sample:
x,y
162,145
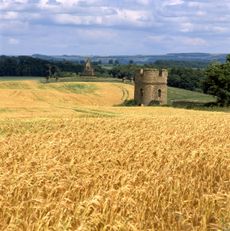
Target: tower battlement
x,y
151,85
152,76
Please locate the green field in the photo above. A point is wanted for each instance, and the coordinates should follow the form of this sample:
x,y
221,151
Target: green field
x,y
186,95
17,78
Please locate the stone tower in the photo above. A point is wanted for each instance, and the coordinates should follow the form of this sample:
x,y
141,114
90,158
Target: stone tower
x,y
151,86
88,70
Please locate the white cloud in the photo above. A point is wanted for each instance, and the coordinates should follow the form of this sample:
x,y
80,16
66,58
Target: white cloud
x,y
131,16
201,13
9,15
157,38
144,2
13,41
186,27
107,17
78,20
194,41
220,29
174,2
195,4
141,2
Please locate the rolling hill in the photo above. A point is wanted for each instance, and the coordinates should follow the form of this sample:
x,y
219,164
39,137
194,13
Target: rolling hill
x,y
139,59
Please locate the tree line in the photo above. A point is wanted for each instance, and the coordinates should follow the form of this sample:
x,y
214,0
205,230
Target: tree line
x,y
181,77
28,66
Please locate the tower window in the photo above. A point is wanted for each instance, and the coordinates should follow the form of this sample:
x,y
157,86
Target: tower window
x,y
161,73
142,92
159,93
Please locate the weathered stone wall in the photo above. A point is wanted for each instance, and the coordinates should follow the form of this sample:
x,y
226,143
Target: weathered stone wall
x,y
151,86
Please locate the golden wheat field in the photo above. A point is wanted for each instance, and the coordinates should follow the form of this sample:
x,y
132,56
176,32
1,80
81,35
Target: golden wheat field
x,y
71,161
25,99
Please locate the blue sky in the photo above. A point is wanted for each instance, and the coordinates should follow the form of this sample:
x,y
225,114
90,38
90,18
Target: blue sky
x,y
114,27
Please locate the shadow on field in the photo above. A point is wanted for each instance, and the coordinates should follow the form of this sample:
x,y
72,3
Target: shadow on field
x,y
183,104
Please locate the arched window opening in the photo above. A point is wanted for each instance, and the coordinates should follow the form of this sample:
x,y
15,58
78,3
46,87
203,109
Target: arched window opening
x,y
159,93
161,72
141,92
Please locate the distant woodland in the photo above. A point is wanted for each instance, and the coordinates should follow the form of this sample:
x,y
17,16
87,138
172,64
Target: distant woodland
x,y
183,74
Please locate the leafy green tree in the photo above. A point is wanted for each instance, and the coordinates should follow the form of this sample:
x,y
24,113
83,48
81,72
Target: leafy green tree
x,y
116,62
110,62
186,78
121,71
217,82
131,61
228,59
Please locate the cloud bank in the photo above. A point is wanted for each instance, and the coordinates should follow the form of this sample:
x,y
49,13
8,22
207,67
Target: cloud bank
x,y
107,27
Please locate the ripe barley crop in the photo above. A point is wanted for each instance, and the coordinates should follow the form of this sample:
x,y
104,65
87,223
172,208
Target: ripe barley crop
x,y
152,169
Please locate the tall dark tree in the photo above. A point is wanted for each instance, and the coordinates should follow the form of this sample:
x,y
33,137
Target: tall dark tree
x,y
228,59
110,61
217,82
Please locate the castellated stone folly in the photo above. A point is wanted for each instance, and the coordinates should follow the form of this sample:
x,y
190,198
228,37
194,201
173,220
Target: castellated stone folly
x,y
88,69
151,87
